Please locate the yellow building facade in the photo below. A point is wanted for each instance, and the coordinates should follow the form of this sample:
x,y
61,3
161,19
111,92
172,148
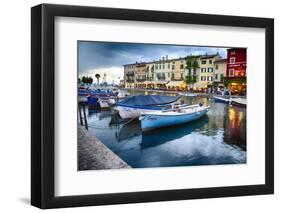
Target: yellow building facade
x,y
206,74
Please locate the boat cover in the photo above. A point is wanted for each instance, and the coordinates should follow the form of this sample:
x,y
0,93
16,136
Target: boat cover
x,y
148,100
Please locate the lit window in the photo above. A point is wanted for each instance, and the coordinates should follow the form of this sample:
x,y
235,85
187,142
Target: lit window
x,y
232,60
231,72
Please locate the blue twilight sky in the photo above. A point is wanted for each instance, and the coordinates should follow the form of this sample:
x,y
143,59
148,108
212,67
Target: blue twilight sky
x,y
109,57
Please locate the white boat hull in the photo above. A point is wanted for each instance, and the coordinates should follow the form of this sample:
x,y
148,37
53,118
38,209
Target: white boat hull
x,y
128,112
160,119
103,104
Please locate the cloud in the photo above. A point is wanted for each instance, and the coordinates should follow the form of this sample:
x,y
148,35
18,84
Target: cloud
x,y
102,56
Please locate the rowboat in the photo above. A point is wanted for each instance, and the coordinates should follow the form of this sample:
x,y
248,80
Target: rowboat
x,y
240,102
171,117
222,99
132,107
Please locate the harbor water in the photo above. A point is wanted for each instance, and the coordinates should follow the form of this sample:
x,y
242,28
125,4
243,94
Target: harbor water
x,y
217,138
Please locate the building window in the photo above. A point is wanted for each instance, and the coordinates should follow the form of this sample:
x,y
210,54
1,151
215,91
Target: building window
x,y
203,62
202,78
168,66
194,72
222,76
168,75
210,69
232,52
181,66
173,67
231,72
163,66
217,66
216,77
203,69
156,66
232,60
210,61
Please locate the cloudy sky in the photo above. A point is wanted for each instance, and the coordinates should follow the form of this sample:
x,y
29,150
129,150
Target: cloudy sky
x,y
108,57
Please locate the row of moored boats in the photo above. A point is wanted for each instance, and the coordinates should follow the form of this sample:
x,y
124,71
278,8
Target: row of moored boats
x,y
153,111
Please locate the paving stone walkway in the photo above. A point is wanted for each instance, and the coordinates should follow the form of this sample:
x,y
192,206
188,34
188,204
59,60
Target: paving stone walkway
x,y
93,154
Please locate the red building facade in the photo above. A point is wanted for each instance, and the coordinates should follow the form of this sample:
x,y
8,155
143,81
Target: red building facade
x,y
236,70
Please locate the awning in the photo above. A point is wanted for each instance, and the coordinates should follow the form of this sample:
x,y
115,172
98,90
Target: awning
x,y
176,84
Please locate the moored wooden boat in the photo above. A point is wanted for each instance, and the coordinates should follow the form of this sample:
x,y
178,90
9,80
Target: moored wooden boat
x,y
171,117
133,106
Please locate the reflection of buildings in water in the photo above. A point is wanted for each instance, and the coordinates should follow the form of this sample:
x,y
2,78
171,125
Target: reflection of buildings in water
x,y
235,126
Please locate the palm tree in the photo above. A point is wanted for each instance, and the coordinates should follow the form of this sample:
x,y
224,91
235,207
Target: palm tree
x,y
98,77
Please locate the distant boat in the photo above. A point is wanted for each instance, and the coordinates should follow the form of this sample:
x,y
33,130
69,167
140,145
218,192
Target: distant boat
x,y
93,103
188,94
132,107
222,99
240,102
171,117
103,93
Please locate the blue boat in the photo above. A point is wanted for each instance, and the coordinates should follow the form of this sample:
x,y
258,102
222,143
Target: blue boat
x,y
171,117
93,103
103,93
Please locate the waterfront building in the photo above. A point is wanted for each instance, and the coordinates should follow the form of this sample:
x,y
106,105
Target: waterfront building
x,y
149,75
129,75
140,75
207,70
236,70
163,72
220,72
177,74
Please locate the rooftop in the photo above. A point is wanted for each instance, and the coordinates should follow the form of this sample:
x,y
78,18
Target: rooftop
x,y
164,60
208,56
221,60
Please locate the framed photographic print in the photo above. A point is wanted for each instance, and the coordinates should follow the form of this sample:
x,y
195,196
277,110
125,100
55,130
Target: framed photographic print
x,y
140,106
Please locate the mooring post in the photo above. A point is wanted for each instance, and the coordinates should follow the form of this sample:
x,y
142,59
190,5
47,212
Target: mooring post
x,y
80,114
84,115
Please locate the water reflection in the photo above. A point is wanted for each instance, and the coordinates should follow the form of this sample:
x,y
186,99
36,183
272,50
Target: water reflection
x,y
218,138
160,136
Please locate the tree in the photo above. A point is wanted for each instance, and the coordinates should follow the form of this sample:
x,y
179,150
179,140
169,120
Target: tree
x,y
86,79
191,64
98,77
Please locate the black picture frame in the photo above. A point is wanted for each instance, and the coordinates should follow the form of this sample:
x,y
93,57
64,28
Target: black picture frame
x,y
43,102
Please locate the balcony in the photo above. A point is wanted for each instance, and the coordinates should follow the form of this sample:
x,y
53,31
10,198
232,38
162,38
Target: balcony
x,y
128,74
